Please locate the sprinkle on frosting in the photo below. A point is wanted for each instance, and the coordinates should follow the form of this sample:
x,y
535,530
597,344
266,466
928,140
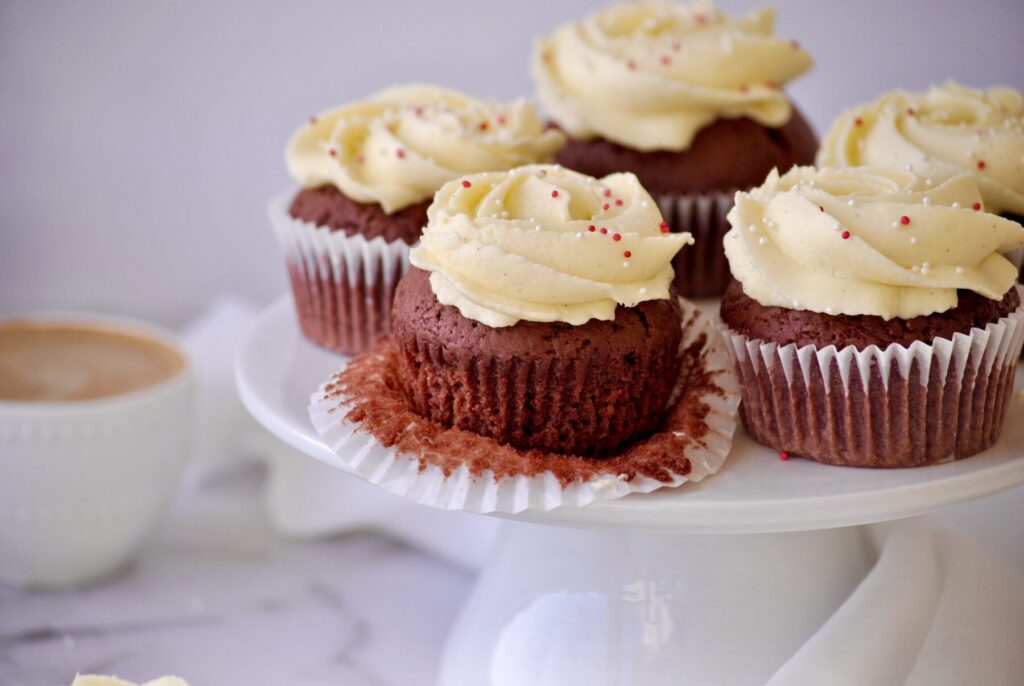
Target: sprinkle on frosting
x,y
944,131
788,255
397,147
650,75
504,251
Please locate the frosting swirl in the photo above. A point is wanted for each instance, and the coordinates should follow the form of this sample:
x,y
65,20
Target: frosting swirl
x,y
399,146
543,243
650,75
944,131
868,241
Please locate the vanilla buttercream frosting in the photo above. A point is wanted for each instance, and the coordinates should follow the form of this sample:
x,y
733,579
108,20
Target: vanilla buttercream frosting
x,y
650,75
542,243
868,241
941,132
397,147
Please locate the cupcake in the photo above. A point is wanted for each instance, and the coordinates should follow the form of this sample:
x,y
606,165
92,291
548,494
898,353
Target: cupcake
x,y
687,99
367,172
940,133
539,311
873,319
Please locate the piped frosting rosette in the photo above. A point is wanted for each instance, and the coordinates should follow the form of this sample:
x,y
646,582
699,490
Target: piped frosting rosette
x,y
885,243
650,75
942,132
397,147
568,247
549,245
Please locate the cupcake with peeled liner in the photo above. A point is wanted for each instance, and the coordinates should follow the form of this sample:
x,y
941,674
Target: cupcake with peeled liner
x,y
538,356
367,172
688,99
940,133
873,318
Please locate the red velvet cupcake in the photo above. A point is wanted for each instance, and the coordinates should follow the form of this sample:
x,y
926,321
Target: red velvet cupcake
x,y
687,99
368,171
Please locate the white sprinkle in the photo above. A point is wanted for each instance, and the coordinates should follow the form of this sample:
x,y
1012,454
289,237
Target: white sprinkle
x,y
762,241
644,203
796,304
925,268
913,240
896,225
926,265
625,264
752,229
915,268
956,204
850,202
828,310
504,214
970,152
643,291
959,270
537,228
928,182
926,200
579,235
910,168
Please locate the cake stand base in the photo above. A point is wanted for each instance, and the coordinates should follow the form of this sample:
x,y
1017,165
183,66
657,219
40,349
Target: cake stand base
x,y
561,606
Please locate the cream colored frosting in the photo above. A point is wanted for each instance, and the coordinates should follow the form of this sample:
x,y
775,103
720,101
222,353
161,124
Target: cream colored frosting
x,y
944,131
868,240
97,680
542,243
397,147
650,75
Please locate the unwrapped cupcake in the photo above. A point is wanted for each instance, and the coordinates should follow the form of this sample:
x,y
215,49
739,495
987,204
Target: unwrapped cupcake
x,y
367,172
939,133
538,353
873,319
688,99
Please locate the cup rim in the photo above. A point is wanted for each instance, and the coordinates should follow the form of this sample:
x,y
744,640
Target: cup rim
x,y
130,326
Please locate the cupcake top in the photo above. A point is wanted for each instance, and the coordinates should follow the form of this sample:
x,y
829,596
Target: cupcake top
x,y
542,243
397,147
868,241
944,131
650,75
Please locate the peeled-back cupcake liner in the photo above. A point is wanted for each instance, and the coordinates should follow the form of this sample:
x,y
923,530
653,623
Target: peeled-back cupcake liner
x,y
471,487
342,285
701,269
904,406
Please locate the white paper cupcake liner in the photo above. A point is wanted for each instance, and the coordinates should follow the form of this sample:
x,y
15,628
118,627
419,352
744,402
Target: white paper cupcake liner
x,y
701,268
342,285
898,407
426,483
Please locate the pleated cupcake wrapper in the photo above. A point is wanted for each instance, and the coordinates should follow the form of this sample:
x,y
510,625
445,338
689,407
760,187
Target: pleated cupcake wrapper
x,y
343,285
701,268
403,475
898,407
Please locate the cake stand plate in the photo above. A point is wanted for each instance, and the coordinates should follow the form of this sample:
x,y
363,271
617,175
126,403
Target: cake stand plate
x,y
622,592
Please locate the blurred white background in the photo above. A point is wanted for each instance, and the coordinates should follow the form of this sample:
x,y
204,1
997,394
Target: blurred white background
x,y
140,141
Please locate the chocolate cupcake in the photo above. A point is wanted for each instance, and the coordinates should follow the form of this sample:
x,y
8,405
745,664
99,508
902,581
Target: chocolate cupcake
x,y
540,314
940,133
368,171
873,319
687,99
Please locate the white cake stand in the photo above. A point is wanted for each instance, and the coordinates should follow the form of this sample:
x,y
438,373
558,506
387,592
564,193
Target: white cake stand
x,y
626,591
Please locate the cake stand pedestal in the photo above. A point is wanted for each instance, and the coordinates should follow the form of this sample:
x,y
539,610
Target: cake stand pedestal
x,y
715,582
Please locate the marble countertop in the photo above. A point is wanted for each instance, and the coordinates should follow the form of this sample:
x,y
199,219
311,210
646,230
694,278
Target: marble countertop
x,y
219,599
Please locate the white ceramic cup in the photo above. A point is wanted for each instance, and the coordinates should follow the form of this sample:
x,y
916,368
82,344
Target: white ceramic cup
x,y
83,482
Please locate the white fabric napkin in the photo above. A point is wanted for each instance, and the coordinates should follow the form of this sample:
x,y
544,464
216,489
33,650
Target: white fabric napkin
x,y
305,498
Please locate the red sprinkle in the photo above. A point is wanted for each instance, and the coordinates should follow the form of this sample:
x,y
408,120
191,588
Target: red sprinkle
x,y
631,65
400,153
605,206
783,455
484,125
619,203
607,193
627,254
332,152
501,120
795,43
676,45
604,230
981,164
312,120
591,228
744,88
418,111
664,227
466,184
665,60
616,237
554,194
770,84
820,208
910,111
846,234
976,206
701,18
858,122
904,220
